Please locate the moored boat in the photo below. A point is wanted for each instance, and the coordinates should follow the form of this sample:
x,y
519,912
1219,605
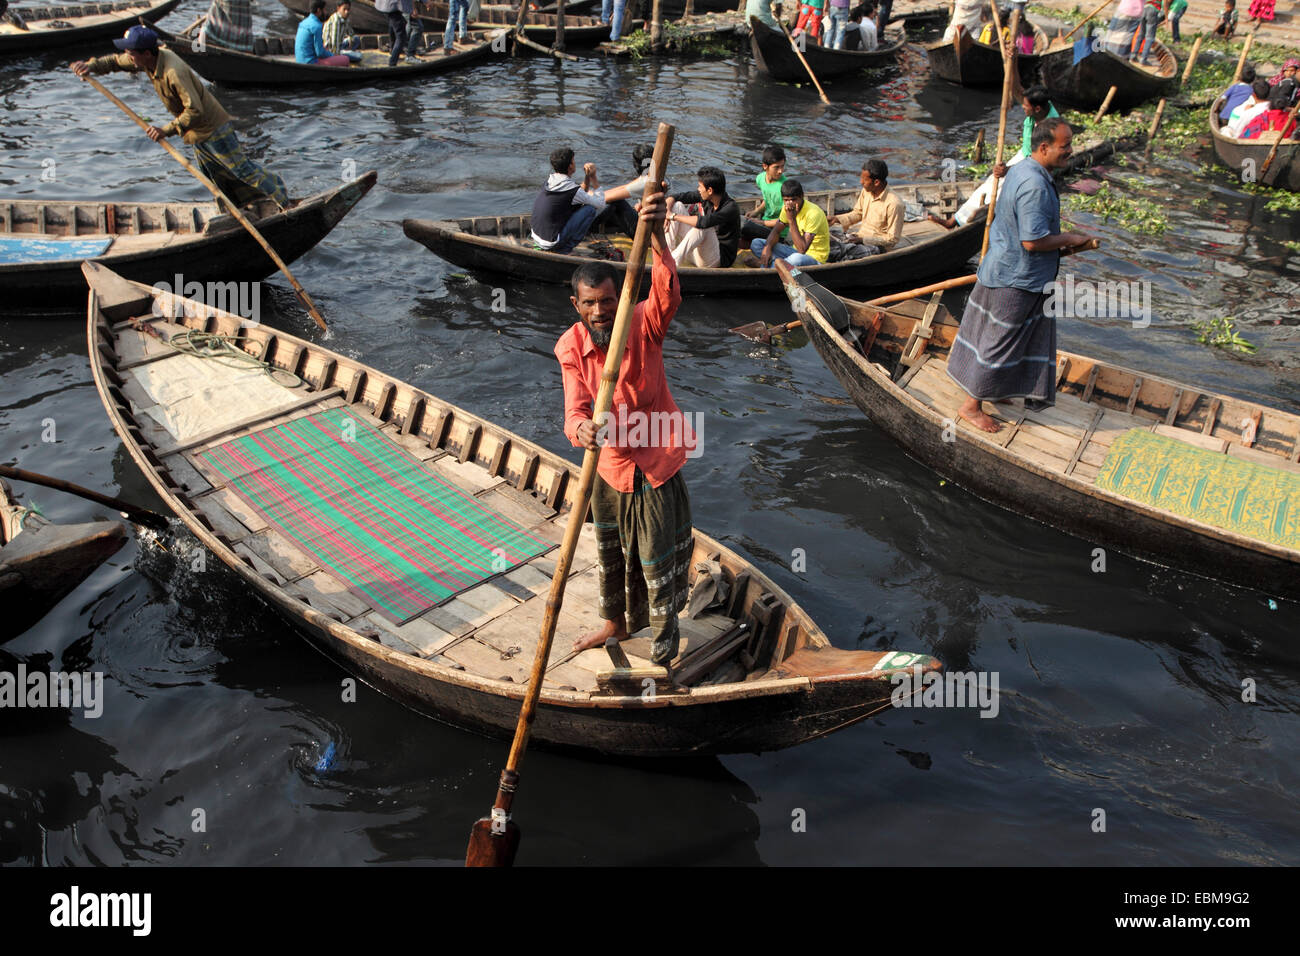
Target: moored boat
x,y
51,27
272,61
1246,157
1084,84
966,61
412,542
42,244
42,561
502,244
1152,467
775,57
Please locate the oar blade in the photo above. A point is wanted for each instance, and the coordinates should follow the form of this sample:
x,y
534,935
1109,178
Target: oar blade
x,y
753,330
490,848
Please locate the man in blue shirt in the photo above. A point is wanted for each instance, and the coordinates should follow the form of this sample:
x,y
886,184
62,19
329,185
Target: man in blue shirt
x,y
1007,345
309,44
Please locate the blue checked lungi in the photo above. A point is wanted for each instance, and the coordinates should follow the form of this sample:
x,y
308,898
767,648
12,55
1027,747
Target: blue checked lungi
x,y
223,160
1006,347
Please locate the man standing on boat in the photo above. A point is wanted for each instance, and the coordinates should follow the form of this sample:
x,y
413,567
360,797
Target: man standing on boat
x,y
642,511
1006,347
199,118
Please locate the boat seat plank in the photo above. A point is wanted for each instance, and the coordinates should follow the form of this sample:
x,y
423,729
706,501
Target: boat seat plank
x,y
414,444
187,476
570,676
258,563
486,661
468,476
277,551
696,635
1088,472
134,347
523,509
225,500
522,629
1031,437
325,593
1191,437
1261,457
1051,459
423,637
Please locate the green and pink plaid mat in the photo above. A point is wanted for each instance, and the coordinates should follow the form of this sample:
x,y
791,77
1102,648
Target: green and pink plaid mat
x,y
370,513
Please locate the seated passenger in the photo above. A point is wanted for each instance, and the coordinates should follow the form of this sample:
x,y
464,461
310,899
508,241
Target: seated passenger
x,y
769,184
1276,117
338,35
868,34
810,234
1238,93
877,213
1240,117
564,212
711,234
309,45
12,17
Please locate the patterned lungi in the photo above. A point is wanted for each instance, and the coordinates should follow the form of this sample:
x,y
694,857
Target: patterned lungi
x,y
230,24
644,540
1006,347
223,160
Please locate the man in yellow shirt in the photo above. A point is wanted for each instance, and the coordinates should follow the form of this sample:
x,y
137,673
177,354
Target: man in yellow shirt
x,y
810,233
878,212
199,118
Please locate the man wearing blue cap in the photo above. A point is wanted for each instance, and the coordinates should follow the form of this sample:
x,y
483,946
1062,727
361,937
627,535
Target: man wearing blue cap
x,y
199,118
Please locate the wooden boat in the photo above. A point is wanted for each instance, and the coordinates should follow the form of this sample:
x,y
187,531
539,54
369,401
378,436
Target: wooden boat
x,y
579,31
1057,464
966,61
41,561
453,640
1084,85
775,57
1240,155
42,244
50,27
272,61
502,244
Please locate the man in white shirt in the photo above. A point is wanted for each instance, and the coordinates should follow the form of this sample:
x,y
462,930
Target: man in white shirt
x,y
1257,103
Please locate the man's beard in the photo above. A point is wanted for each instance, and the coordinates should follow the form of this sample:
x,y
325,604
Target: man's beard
x,y
600,337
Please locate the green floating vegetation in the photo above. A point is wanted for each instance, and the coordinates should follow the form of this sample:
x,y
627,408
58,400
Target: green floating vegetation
x,y
1221,333
678,40
1279,199
1141,216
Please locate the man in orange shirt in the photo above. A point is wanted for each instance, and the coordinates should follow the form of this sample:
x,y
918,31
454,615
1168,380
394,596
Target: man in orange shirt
x,y
642,512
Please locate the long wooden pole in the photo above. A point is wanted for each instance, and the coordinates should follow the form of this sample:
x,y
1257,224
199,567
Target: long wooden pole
x,y
656,27
1191,57
1155,123
1084,20
1008,77
799,53
1245,49
519,24
1268,160
1105,104
494,839
559,26
303,297
150,519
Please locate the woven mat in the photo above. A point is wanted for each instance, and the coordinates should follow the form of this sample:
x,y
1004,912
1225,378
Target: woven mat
x,y
370,513
1229,493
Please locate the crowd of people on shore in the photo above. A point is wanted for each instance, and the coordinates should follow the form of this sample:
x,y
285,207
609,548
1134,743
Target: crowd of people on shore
x,y
704,226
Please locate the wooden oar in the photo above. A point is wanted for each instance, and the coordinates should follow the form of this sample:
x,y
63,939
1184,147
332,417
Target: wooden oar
x,y
1008,77
1085,20
494,840
762,332
303,297
150,519
1268,160
799,53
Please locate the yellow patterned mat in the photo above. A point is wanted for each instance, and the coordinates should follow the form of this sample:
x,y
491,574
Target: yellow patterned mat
x,y
1229,493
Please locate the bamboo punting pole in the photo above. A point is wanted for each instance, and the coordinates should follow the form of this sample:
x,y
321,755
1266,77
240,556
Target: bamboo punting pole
x,y
1086,19
656,27
1245,49
799,53
1008,78
559,26
1105,104
978,153
1191,58
150,519
1155,123
1268,160
301,293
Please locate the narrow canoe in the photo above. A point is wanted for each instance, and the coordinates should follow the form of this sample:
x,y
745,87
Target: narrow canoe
x,y
272,61
410,611
42,244
50,27
41,561
579,31
775,57
966,61
501,244
1057,465
1245,157
1084,85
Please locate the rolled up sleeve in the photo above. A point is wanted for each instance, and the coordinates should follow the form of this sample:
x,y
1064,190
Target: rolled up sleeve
x,y
665,296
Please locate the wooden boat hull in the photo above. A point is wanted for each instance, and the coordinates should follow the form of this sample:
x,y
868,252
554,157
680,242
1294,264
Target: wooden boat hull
x,y
797,687
107,20
225,254
43,563
486,244
1067,501
1084,85
271,63
1242,155
579,31
967,62
775,57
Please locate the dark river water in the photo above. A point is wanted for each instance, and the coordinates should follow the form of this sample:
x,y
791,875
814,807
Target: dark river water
x,y
1120,691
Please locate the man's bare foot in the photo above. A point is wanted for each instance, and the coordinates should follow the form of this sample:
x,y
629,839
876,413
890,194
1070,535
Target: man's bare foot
x,y
971,411
614,629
